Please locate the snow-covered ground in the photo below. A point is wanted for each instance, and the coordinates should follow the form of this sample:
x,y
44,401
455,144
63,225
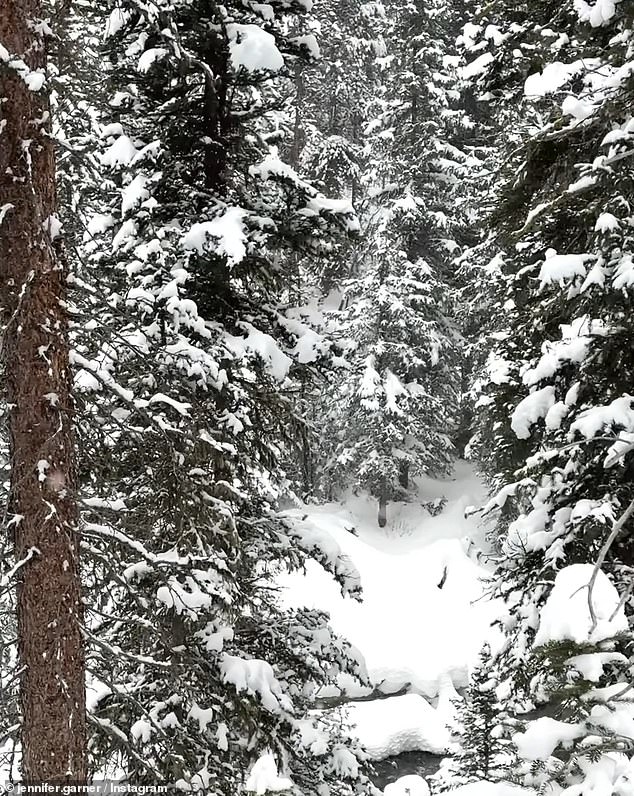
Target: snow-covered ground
x,y
424,614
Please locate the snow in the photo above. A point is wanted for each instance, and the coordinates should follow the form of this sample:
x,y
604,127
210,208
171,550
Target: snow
x,y
53,226
264,346
528,532
309,43
264,778
117,20
484,788
544,735
583,183
255,677
120,153
202,716
529,410
578,108
597,13
624,273
590,665
405,642
389,727
253,49
558,268
478,66
181,407
619,412
149,58
611,775
606,222
188,601
228,230
411,785
141,731
552,78
576,338
34,79
134,193
566,614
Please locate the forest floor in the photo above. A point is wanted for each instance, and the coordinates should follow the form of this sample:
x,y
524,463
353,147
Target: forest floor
x,y
423,619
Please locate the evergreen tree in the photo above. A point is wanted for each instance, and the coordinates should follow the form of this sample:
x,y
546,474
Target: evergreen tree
x,y
393,418
557,402
185,379
395,414
482,736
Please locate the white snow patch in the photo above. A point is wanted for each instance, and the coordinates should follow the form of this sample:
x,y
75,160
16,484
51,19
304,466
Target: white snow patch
x,y
410,785
544,735
255,677
598,13
253,49
477,67
389,727
264,778
529,410
228,230
558,268
551,78
120,153
149,58
566,614
400,568
485,788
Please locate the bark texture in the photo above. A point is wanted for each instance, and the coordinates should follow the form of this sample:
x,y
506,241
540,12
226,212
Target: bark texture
x,y
35,359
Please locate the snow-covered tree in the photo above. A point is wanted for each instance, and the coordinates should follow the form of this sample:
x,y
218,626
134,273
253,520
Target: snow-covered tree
x,y
557,403
393,418
481,731
396,410
186,368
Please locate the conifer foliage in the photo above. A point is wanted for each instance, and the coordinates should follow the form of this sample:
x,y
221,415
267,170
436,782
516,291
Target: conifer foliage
x,y
198,677
558,398
482,731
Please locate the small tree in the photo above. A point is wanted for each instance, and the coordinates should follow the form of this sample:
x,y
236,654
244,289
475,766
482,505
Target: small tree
x,y
481,731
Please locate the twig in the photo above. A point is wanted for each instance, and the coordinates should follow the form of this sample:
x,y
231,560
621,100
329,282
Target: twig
x,y
616,529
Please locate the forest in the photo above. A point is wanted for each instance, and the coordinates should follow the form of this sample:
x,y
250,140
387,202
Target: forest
x,y
317,436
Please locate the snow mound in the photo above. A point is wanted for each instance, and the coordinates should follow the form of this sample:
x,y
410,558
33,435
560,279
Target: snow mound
x,y
492,789
530,410
253,49
389,727
544,735
411,785
566,614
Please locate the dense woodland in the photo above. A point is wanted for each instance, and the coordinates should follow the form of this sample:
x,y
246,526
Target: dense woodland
x,y
261,255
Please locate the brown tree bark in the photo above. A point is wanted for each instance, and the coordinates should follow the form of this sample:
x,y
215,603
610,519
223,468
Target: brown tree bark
x,y
35,359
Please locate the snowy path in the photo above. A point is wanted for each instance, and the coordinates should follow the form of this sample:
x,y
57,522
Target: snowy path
x,y
423,618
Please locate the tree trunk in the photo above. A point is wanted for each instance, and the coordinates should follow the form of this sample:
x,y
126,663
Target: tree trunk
x,y
403,475
36,363
382,518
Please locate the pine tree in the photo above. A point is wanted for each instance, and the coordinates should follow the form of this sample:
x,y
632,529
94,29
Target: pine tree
x,y
42,506
393,415
185,381
482,736
557,402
